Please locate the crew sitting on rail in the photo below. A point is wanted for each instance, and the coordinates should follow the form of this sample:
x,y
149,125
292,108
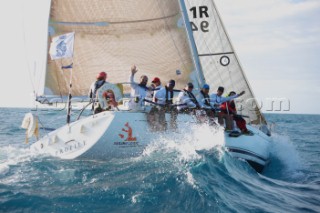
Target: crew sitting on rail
x,y
156,85
187,102
216,100
164,97
205,104
229,108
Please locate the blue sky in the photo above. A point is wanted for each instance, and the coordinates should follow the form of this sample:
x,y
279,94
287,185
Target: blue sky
x,y
277,42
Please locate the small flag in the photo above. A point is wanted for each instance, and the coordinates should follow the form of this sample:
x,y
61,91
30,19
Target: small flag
x,y
62,46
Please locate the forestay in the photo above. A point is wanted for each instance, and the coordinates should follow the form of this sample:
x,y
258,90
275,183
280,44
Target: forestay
x,y
220,65
112,35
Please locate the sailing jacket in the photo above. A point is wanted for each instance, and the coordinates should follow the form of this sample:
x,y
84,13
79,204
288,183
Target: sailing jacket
x,y
218,100
94,87
187,98
229,107
156,90
204,100
137,94
164,96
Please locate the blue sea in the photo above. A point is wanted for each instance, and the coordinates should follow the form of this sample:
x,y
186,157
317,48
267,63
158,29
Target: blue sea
x,y
171,176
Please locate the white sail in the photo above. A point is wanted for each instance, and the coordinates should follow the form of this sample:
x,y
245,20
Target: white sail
x,y
112,35
219,63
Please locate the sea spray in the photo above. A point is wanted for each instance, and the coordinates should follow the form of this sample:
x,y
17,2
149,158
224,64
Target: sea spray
x,y
199,177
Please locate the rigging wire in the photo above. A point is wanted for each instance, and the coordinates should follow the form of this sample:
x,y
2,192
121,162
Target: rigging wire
x,y
39,71
25,48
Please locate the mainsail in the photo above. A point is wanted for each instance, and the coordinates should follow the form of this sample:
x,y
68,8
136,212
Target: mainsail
x,y
112,35
220,65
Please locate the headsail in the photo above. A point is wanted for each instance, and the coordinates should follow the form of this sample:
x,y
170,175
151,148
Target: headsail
x,y
220,65
112,35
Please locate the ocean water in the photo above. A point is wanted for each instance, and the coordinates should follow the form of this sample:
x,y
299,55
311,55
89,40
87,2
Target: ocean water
x,y
189,174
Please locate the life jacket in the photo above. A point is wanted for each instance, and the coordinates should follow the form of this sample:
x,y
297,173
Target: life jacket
x,y
228,106
206,98
97,85
143,86
216,101
167,96
192,97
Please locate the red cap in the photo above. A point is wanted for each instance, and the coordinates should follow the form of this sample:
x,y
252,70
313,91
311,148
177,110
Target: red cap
x,y
102,75
156,80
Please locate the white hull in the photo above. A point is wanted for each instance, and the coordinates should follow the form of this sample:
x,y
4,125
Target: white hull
x,y
115,134
254,149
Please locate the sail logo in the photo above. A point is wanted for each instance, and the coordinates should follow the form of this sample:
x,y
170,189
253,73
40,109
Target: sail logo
x,y
62,46
127,135
61,49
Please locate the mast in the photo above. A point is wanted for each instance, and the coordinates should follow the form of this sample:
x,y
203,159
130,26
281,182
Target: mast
x,y
192,43
62,47
69,95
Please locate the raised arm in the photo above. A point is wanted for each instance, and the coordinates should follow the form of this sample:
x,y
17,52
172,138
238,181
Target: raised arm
x,y
134,70
225,99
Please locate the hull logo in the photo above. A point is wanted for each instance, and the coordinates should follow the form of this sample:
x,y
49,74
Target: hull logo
x,y
128,130
127,136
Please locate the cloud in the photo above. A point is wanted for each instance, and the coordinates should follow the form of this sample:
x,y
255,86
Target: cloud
x,y
253,11
298,92
267,26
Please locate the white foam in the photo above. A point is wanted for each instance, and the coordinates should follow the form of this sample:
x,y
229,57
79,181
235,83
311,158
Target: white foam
x,y
12,155
135,197
285,151
4,169
185,146
188,141
190,179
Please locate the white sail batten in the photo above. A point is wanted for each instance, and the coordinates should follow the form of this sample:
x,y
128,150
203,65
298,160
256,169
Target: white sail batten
x,y
112,35
218,59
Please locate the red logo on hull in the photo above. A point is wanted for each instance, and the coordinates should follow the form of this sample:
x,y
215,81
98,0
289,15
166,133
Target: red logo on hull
x,y
128,130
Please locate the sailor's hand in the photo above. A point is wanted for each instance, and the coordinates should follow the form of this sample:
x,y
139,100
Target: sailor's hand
x,y
241,93
133,69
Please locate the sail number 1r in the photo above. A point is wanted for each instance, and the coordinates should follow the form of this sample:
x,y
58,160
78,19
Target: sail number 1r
x,y
201,12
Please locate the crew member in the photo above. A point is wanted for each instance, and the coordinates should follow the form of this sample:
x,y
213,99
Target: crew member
x,y
216,100
229,108
101,80
205,104
187,102
164,99
139,91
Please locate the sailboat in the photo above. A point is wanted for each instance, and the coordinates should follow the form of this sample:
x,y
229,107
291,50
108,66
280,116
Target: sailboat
x,y
183,40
